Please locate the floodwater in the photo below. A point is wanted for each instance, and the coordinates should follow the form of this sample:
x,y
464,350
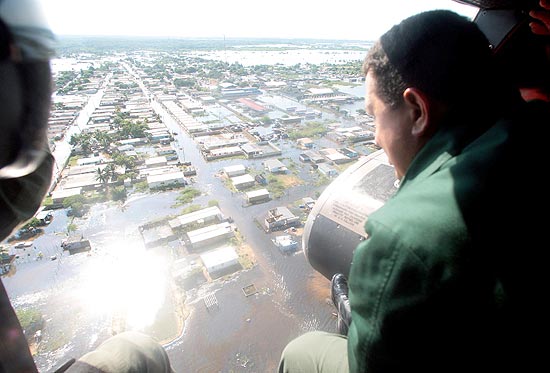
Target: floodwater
x,y
286,57
85,297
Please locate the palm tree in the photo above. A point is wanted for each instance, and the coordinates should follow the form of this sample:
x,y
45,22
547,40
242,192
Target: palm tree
x,y
103,139
109,170
102,176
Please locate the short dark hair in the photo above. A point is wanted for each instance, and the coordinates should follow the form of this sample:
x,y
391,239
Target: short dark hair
x,y
390,84
439,52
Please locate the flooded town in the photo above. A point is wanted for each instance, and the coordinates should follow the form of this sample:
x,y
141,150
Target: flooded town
x,y
183,179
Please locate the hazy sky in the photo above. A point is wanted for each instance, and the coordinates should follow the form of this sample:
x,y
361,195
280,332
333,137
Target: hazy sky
x,y
330,19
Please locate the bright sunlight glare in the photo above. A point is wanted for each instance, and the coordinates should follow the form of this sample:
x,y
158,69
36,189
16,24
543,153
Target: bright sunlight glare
x,y
351,20
130,283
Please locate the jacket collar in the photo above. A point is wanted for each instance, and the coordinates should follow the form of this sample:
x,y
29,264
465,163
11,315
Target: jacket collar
x,y
447,142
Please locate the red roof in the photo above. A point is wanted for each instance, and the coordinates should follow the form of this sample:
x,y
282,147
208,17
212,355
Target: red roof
x,y
251,104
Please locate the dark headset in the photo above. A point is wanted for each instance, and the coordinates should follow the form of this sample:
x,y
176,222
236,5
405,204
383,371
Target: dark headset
x,y
26,163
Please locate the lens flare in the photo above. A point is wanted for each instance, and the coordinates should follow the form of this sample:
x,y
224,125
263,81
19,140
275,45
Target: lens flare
x,y
128,283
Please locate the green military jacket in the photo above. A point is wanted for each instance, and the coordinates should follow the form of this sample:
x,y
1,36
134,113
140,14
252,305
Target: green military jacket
x,y
445,282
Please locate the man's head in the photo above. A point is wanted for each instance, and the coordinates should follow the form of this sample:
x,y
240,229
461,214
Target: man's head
x,y
420,70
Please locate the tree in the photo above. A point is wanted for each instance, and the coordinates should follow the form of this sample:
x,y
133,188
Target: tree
x,y
71,227
83,140
118,193
188,83
124,160
110,171
266,119
76,205
103,139
33,223
102,176
129,129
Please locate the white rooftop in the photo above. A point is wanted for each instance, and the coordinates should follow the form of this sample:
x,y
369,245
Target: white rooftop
x,y
219,256
208,232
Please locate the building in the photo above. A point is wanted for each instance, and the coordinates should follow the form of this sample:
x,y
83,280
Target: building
x,y
209,235
221,261
335,156
260,179
156,162
327,170
349,153
235,170
58,196
304,157
252,150
76,244
243,181
44,216
308,203
285,243
290,120
157,235
207,99
324,95
134,141
257,196
312,156
275,166
224,152
272,84
305,143
201,217
260,150
239,92
280,218
167,179
89,160
253,106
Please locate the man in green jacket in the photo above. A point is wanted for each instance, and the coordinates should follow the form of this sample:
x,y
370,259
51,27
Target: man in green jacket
x,y
449,278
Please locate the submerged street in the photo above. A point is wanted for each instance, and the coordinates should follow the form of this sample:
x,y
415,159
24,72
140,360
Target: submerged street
x,y
212,326
87,297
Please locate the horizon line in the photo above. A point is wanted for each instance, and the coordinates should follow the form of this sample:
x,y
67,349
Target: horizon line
x,y
209,37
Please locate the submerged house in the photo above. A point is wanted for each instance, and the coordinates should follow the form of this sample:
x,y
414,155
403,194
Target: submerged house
x,y
280,218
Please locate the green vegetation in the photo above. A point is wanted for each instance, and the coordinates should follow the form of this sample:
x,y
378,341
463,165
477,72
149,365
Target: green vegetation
x,y
142,186
275,187
77,205
213,202
186,196
322,180
71,227
186,83
48,201
311,129
56,340
190,209
73,160
118,193
266,119
31,320
33,223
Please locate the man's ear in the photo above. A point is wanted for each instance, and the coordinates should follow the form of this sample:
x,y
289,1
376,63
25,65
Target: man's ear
x,y
418,106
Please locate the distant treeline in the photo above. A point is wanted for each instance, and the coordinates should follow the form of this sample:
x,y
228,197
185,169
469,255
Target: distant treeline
x,y
67,45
